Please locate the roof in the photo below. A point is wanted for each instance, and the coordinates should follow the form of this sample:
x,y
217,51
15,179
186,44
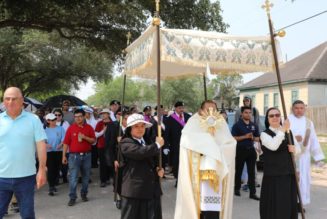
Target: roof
x,y
310,66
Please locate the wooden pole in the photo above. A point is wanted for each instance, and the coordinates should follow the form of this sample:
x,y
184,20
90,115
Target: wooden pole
x,y
267,6
156,22
120,124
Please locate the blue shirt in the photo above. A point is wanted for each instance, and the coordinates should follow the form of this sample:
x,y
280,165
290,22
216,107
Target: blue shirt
x,y
18,139
241,128
55,136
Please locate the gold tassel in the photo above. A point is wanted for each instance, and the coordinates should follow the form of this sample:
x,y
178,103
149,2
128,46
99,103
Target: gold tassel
x,y
212,177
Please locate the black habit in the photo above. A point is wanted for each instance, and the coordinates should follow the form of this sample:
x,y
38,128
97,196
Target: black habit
x,y
278,198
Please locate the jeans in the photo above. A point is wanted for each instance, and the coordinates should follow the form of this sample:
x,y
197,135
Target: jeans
x,y
23,188
77,162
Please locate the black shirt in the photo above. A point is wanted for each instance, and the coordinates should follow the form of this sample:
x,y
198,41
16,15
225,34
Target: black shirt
x,y
241,128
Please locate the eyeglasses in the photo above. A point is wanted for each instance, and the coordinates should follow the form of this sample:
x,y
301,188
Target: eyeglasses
x,y
57,114
277,115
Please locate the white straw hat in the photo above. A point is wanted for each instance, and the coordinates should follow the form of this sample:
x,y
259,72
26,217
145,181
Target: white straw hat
x,y
137,118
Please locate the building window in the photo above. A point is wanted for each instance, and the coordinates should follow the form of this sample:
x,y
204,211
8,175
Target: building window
x,y
295,95
276,100
265,103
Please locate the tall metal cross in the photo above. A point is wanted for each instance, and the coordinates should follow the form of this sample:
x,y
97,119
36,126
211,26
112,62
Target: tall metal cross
x,y
267,6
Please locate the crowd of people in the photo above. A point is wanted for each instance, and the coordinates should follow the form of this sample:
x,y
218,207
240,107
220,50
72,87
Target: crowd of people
x,y
124,144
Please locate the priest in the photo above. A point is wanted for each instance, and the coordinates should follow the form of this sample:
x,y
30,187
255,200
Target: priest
x,y
304,132
207,165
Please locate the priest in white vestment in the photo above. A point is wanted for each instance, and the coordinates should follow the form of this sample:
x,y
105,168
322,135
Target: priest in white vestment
x,y
207,166
304,132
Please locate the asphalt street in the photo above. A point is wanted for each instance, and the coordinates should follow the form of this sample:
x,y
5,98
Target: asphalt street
x,y
101,203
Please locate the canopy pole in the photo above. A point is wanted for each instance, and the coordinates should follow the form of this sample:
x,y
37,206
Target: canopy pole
x,y
156,22
205,86
267,7
120,124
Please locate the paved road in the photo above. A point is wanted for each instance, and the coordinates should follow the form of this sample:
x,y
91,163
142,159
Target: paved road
x,y
101,204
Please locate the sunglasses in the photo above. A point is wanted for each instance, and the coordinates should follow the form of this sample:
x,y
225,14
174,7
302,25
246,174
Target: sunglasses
x,y
277,115
57,114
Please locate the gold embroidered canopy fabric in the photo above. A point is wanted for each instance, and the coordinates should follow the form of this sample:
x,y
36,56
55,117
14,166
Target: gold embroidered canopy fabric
x,y
187,52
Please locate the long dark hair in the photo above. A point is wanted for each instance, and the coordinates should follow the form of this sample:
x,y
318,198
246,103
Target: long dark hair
x,y
267,119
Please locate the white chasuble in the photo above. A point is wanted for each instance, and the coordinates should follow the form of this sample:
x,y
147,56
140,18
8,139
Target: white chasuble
x,y
206,171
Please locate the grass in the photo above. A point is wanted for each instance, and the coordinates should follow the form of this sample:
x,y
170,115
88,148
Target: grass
x,y
324,149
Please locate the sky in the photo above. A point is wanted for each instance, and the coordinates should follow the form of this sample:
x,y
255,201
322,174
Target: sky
x,y
246,17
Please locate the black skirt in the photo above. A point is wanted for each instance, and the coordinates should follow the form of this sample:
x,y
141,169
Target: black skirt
x,y
141,208
278,199
209,215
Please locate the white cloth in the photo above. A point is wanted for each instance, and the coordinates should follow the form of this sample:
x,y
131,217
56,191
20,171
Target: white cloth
x,y
65,125
298,127
273,143
112,116
210,200
219,151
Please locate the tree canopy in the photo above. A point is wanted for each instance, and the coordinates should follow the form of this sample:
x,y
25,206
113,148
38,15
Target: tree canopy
x,y
51,46
38,63
104,24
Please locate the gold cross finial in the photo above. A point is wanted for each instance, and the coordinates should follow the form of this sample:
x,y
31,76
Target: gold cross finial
x,y
128,35
267,6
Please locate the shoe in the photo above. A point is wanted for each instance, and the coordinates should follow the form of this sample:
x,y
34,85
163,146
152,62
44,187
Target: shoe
x,y
14,207
84,198
245,188
258,185
254,197
237,193
71,202
55,190
103,185
118,204
51,193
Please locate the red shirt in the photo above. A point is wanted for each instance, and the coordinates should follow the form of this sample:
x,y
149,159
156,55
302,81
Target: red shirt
x,y
98,128
71,138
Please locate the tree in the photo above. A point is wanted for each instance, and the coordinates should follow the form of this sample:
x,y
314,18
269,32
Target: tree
x,y
104,24
137,92
41,64
225,88
188,90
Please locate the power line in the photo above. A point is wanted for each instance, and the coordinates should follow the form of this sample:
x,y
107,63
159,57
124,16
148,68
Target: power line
x,y
301,21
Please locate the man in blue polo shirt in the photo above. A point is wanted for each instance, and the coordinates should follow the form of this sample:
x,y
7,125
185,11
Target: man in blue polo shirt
x,y
245,132
21,136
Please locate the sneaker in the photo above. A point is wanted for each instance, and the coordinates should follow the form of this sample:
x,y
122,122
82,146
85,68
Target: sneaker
x,y
71,202
14,207
118,204
84,198
245,188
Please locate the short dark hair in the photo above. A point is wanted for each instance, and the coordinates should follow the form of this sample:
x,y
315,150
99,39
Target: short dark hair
x,y
58,111
297,102
79,111
243,108
128,133
208,101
